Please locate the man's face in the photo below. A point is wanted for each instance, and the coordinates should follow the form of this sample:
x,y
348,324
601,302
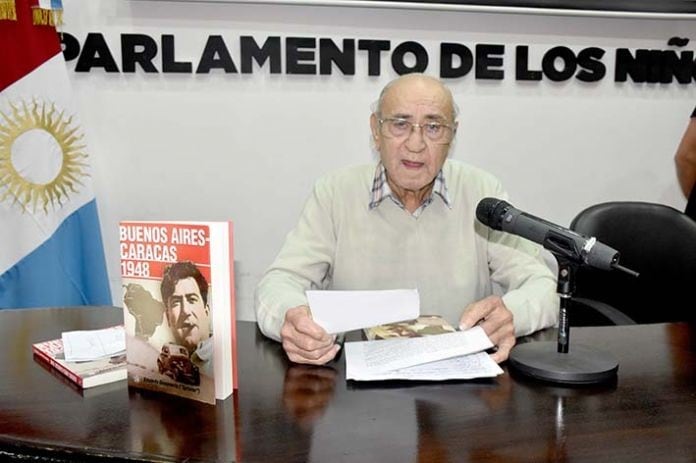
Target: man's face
x,y
187,314
412,162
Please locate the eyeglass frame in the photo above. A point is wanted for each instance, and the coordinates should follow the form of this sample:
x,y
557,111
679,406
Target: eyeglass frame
x,y
453,128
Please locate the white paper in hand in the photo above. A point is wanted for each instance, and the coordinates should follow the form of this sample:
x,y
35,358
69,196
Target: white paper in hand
x,y
340,311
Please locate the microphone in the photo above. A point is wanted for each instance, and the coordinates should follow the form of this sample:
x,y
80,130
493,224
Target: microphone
x,y
501,215
583,365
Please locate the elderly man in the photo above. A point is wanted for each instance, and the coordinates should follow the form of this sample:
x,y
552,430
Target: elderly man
x,y
408,222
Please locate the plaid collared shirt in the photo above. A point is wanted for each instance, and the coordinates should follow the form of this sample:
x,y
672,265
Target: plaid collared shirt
x,y
381,190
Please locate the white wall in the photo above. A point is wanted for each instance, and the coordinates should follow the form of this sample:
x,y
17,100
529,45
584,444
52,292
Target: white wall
x,y
248,147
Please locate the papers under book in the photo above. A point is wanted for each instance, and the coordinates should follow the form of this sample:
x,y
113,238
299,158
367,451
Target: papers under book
x,y
454,355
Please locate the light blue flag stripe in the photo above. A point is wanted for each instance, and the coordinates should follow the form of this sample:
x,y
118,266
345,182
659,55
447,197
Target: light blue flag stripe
x,y
68,269
51,4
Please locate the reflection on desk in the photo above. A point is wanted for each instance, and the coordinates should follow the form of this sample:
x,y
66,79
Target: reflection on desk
x,y
285,412
307,391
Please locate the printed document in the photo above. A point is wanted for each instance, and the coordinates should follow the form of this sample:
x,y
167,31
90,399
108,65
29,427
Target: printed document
x,y
444,356
478,365
341,311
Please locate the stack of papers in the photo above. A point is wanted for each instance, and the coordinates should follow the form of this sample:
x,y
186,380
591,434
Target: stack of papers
x,y
457,355
88,345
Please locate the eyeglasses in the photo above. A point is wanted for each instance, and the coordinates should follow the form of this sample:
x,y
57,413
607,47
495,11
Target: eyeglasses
x,y
436,132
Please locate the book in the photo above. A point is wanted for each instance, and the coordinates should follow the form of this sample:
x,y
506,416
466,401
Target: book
x,y
179,307
425,325
82,374
87,393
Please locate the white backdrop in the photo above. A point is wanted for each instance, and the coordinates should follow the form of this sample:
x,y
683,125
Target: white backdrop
x,y
248,147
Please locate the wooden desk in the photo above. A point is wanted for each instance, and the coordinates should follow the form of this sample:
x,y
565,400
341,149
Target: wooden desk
x,y
294,413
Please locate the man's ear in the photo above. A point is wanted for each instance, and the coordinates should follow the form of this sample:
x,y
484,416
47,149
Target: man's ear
x,y
374,127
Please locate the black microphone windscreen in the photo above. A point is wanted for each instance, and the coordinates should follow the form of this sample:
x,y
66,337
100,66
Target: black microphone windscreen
x,y
485,211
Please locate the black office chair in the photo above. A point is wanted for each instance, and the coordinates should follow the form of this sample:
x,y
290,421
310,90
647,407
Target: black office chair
x,y
691,204
655,240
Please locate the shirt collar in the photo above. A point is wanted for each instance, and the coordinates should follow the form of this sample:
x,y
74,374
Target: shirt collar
x,y
380,190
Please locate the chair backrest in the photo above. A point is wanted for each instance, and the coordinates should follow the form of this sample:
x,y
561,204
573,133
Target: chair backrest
x,y
691,204
656,240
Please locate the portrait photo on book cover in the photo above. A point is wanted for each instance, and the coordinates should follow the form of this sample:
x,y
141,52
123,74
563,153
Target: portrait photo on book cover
x,y
169,331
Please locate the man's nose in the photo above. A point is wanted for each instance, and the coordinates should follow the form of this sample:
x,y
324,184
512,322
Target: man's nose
x,y
187,308
415,141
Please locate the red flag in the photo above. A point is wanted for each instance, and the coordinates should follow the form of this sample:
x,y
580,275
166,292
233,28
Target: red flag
x,y
24,46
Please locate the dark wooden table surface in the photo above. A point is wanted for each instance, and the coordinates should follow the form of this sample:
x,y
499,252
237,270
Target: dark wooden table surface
x,y
294,413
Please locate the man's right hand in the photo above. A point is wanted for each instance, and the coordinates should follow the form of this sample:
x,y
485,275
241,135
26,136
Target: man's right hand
x,y
304,341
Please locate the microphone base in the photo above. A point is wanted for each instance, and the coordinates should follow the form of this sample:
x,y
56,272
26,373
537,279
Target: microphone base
x,y
581,365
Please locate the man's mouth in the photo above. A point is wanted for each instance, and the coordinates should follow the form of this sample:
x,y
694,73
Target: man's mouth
x,y
411,164
187,326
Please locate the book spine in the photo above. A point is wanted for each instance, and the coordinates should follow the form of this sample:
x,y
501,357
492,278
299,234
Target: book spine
x,y
233,314
58,366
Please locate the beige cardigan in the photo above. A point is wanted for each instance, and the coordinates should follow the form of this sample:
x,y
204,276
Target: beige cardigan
x,y
451,258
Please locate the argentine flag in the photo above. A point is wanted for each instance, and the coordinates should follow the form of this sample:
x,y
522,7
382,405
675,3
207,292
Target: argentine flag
x,y
51,251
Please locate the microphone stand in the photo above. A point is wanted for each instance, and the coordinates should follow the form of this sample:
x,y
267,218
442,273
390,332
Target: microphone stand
x,y
565,288
580,365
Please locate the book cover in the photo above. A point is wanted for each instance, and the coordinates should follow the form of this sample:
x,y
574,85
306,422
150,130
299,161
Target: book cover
x,y
425,325
179,307
82,374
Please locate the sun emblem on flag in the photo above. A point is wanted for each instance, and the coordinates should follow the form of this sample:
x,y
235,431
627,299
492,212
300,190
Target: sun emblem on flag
x,y
42,158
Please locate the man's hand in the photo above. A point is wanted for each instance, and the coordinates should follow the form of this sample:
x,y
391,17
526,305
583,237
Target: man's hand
x,y
304,341
496,320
